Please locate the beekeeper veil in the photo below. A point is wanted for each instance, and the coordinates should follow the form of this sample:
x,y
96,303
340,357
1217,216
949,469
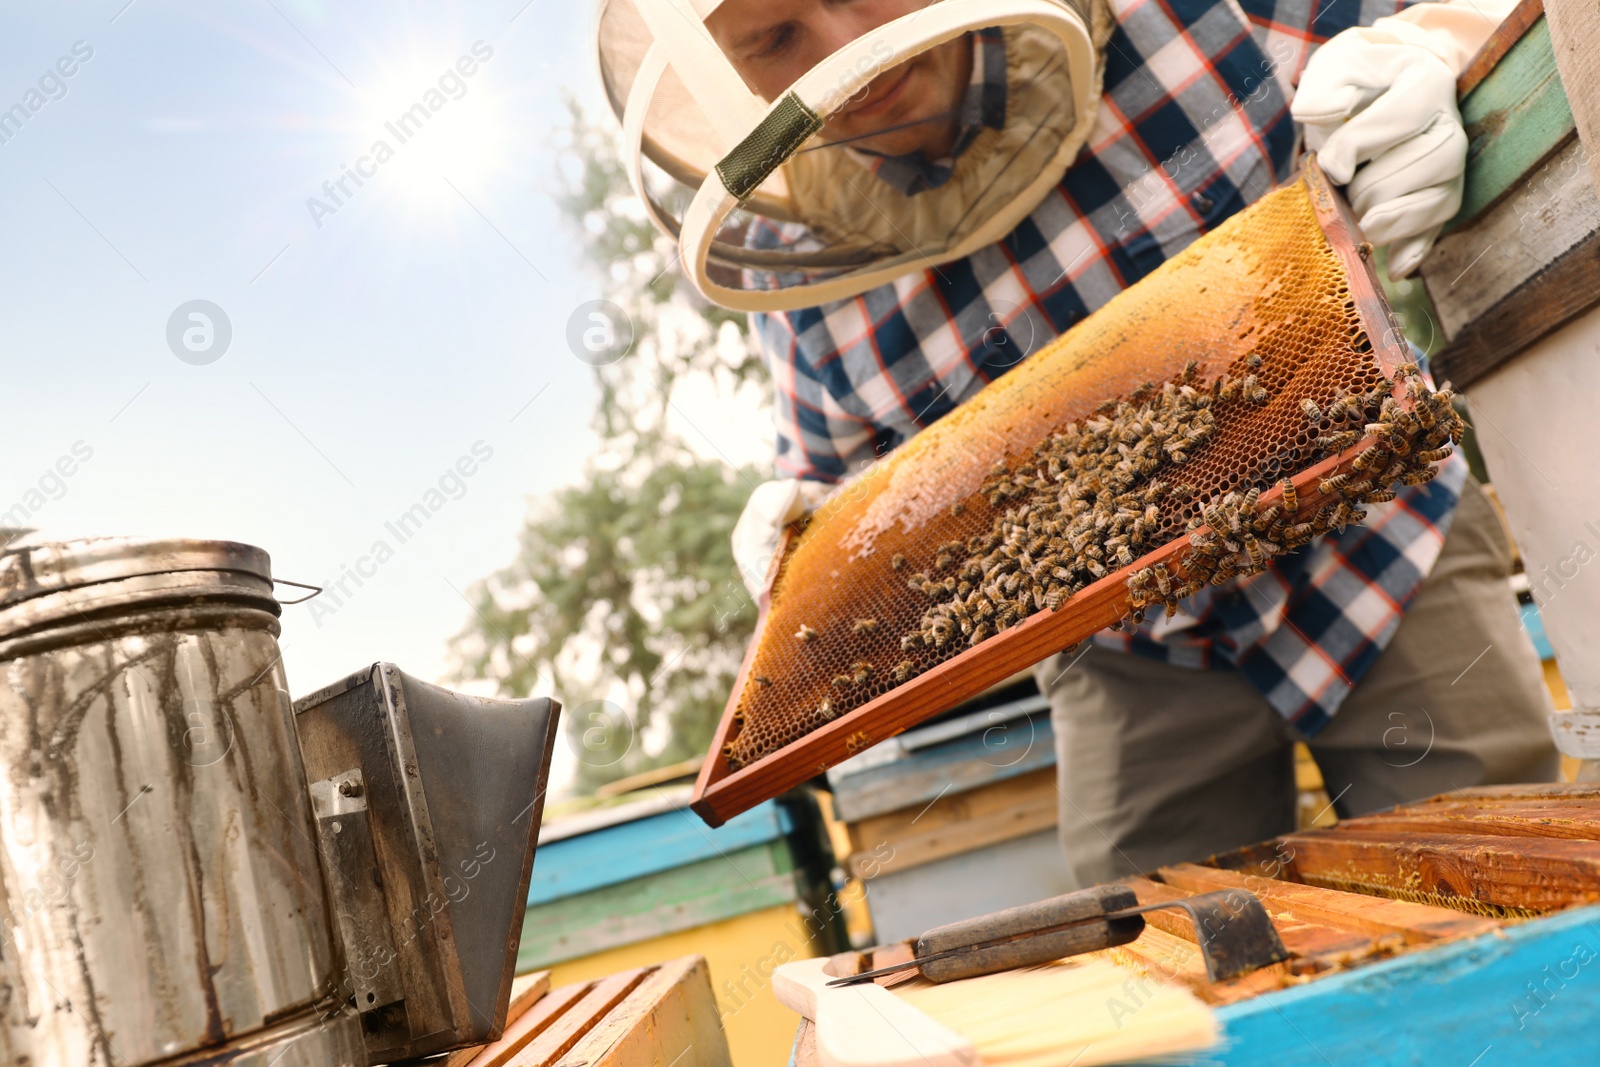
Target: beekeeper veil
x,y
771,212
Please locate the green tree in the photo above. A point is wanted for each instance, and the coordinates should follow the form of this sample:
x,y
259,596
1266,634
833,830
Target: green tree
x,y
623,591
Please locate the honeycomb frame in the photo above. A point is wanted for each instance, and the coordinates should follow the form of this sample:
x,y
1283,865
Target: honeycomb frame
x,y
724,790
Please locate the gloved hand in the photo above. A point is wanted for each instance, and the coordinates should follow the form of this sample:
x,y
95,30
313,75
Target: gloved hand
x,y
1379,108
772,506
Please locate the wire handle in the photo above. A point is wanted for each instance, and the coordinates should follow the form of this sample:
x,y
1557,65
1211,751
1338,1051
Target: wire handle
x,y
316,590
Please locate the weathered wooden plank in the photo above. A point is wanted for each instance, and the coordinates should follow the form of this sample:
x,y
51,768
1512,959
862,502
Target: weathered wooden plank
x,y
988,879
679,899
1566,288
1527,994
1505,36
669,1018
1515,118
955,823
1573,820
623,852
1553,209
1491,795
1415,923
1016,747
1526,875
550,1045
1575,39
1520,272
527,1026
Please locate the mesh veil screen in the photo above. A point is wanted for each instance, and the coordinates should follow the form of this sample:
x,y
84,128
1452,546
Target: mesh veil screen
x,y
1212,358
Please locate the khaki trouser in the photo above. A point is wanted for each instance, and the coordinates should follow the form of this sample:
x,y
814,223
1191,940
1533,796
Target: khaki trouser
x,y
1159,763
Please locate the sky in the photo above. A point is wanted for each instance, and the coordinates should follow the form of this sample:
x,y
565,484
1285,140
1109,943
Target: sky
x,y
223,342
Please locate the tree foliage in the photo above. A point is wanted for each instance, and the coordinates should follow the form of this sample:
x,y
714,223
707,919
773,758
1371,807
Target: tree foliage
x,y
623,597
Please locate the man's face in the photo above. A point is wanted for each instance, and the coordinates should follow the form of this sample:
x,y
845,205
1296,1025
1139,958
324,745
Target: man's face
x,y
773,42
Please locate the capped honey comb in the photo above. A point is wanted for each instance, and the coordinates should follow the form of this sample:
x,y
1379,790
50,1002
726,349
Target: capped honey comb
x,y
1082,487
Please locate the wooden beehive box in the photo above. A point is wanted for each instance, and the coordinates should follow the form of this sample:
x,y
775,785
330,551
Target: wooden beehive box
x,y
1432,933
956,817
663,1014
624,887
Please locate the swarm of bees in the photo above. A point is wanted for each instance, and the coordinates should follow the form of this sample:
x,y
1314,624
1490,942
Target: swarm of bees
x,y
1110,488
1104,491
1089,502
1239,537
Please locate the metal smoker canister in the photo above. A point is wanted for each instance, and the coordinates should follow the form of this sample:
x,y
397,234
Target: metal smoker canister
x,y
160,889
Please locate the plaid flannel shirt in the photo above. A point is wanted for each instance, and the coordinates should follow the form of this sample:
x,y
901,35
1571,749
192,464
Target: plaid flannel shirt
x,y
1193,125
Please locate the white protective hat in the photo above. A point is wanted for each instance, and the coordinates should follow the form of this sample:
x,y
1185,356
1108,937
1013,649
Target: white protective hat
x,y
683,106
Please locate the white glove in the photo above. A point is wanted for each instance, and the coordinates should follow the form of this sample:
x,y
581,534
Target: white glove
x,y
1379,107
771,507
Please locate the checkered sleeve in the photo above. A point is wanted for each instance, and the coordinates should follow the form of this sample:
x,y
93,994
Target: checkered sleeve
x,y
816,436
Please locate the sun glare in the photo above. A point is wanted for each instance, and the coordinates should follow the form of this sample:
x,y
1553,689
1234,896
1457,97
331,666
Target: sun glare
x,y
420,129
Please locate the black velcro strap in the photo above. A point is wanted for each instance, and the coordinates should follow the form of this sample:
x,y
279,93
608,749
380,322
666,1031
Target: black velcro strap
x,y
779,136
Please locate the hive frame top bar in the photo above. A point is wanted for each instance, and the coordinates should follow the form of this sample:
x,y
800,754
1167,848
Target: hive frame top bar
x,y
721,793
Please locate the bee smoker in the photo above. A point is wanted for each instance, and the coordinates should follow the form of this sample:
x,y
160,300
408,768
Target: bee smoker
x,y
194,871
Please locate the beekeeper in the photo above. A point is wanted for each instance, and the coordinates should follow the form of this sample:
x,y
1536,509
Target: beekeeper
x,y
911,196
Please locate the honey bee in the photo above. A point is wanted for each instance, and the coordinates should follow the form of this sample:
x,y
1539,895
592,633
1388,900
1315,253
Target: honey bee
x,y
911,642
1333,484
825,709
1334,442
1227,389
761,680
1312,412
1258,558
1163,579
1368,456
1290,503
1434,455
943,560
1224,574
1191,370
841,681
902,671
1426,474
1254,360
957,508
805,634
1380,496
898,562
1342,408
864,626
862,670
